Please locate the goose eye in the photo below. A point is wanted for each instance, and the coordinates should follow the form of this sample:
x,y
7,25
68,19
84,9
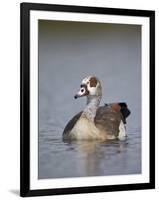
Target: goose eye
x,y
82,90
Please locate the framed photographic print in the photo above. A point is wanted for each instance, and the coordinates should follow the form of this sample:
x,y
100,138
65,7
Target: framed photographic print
x,y
87,99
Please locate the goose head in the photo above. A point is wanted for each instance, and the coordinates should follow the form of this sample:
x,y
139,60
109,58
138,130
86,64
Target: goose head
x,y
90,86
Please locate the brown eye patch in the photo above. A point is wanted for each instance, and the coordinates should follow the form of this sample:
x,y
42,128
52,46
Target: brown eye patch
x,y
93,82
86,90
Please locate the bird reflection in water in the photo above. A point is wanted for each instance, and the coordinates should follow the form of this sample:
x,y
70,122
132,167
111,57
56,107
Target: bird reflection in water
x,y
90,155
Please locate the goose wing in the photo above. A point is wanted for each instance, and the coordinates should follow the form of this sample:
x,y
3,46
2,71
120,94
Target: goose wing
x,y
108,120
71,124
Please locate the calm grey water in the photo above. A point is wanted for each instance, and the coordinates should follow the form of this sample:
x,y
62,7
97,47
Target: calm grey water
x,y
58,159
68,52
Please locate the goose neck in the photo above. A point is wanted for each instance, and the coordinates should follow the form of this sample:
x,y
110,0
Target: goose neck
x,y
91,107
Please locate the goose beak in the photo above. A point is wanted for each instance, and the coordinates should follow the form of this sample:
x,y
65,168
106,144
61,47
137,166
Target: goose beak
x,y
76,96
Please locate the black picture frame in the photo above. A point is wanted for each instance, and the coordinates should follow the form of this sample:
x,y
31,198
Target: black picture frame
x,y
25,9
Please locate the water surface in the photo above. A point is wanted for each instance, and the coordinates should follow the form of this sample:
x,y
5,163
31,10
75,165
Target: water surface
x,y
59,159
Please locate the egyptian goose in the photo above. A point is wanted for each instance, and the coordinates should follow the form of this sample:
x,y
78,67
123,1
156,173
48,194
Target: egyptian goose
x,y
94,122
